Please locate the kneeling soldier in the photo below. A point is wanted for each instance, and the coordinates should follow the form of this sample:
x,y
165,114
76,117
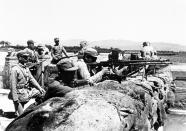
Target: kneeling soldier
x,y
22,83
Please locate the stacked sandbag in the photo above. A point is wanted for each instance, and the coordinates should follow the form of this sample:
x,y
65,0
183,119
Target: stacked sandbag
x,y
166,76
92,108
109,106
81,110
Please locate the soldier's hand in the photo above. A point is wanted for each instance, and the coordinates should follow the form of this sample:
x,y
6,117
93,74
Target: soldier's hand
x,y
118,71
105,70
90,82
42,91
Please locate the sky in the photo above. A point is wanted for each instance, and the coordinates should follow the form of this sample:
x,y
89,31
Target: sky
x,y
92,20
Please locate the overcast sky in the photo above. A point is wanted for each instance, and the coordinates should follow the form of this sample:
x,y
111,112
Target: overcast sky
x,y
136,20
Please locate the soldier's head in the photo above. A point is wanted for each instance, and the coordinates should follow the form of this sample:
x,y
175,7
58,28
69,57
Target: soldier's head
x,y
146,44
23,57
114,54
56,40
40,49
10,50
83,44
30,44
90,55
66,70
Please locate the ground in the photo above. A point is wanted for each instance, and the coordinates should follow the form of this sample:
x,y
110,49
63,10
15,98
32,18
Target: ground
x,y
7,106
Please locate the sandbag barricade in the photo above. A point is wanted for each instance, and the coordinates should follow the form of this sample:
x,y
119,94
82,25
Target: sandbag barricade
x,y
109,106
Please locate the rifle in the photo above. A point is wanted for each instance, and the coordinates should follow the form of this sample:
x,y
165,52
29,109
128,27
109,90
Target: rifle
x,y
115,63
134,66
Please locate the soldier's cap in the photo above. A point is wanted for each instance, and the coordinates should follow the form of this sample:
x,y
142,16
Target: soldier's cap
x,y
30,42
92,52
40,46
56,39
66,66
146,43
23,54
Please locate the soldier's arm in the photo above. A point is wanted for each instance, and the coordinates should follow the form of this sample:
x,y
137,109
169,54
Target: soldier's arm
x,y
52,53
98,76
64,51
13,84
35,83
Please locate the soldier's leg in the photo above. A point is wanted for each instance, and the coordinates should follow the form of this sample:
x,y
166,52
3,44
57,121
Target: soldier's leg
x,y
18,107
55,89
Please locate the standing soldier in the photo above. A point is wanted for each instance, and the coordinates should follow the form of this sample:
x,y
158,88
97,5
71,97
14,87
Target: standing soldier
x,y
32,56
31,50
148,52
83,46
22,84
42,52
57,52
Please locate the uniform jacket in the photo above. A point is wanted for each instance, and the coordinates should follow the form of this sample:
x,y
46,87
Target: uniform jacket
x,y
20,78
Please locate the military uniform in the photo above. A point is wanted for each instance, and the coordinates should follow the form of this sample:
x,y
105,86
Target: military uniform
x,y
21,80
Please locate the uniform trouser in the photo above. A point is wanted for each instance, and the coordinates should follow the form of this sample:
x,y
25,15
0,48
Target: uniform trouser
x,y
19,106
55,89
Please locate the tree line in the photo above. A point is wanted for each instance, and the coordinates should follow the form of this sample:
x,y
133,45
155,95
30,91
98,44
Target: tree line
x,y
75,49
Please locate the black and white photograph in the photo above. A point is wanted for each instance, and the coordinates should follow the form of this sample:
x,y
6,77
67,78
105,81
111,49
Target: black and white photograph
x,y
92,65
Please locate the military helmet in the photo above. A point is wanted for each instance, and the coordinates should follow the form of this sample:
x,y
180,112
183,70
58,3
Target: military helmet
x,y
30,42
91,52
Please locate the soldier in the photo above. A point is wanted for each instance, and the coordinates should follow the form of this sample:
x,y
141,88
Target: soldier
x,y
57,52
148,51
32,56
67,79
94,75
42,52
22,84
11,52
31,50
83,46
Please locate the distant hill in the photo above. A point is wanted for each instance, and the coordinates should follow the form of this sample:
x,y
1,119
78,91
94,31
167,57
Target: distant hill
x,y
168,46
125,45
128,45
131,45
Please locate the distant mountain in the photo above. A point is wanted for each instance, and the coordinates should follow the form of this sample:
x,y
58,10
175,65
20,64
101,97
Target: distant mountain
x,y
128,45
124,44
121,44
131,45
168,46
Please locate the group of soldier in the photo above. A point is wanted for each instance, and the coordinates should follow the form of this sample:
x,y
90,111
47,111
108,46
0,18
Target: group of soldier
x,y
70,74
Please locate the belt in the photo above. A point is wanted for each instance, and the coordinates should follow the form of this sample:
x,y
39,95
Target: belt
x,y
20,86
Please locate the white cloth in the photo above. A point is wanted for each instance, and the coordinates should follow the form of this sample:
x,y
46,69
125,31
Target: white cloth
x,y
149,52
85,74
82,68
